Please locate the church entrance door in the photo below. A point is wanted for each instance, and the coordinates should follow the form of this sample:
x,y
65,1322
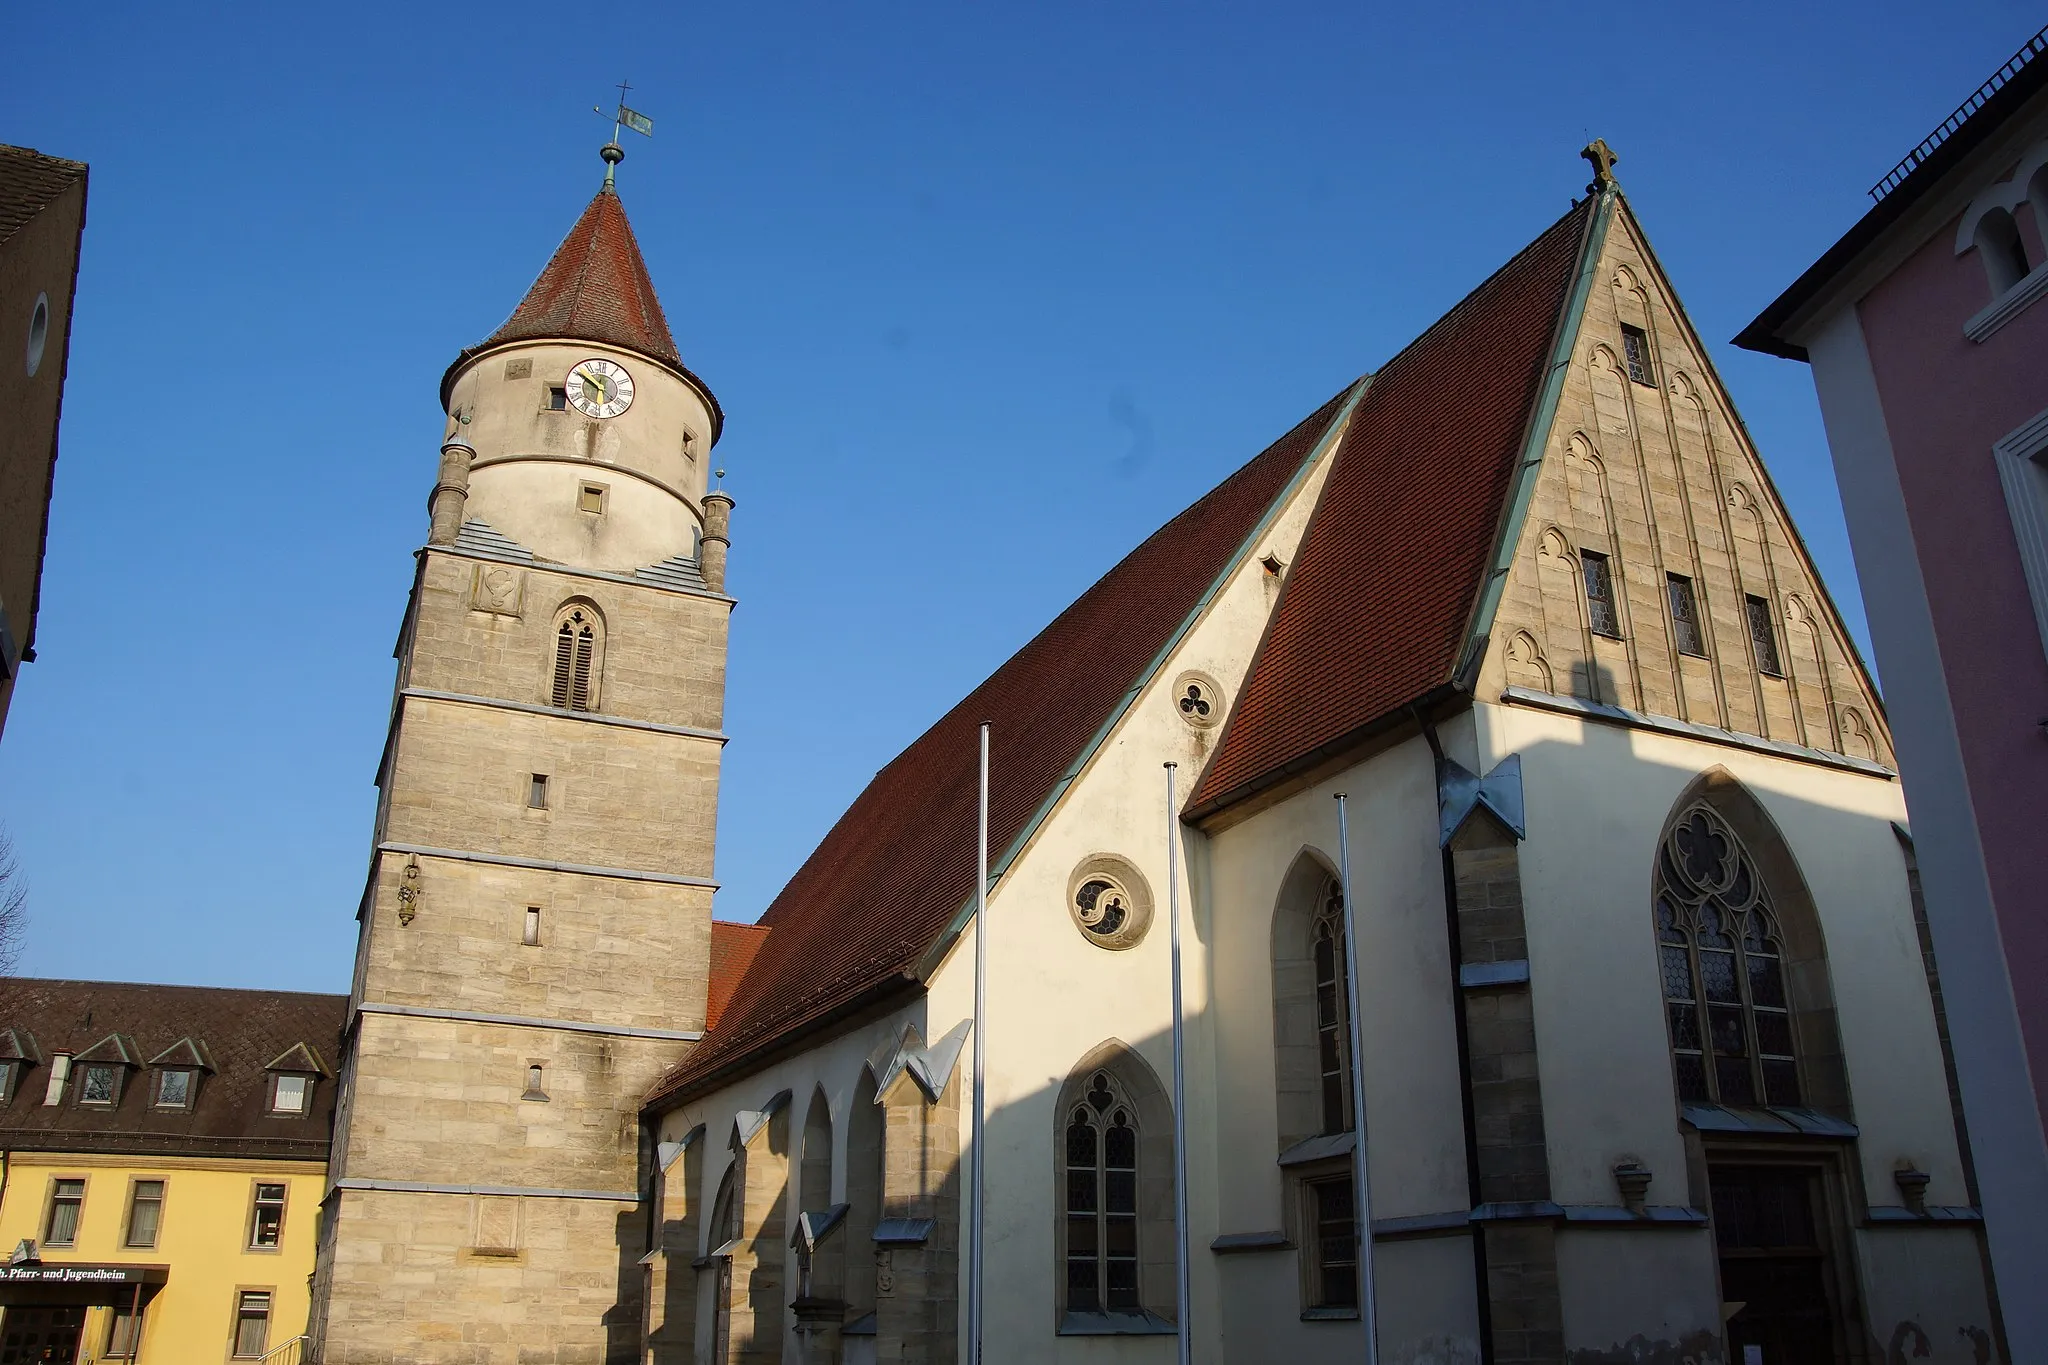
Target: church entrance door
x,y
41,1335
1770,1234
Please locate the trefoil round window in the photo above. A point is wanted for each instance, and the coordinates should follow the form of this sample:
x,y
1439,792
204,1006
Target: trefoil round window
x,y
1110,902
1199,699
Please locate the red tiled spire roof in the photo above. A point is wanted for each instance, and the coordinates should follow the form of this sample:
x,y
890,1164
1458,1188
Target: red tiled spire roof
x,y
861,914
594,288
1376,613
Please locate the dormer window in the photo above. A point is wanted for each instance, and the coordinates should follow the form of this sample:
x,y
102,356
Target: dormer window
x,y
290,1094
18,1052
102,1070
99,1085
178,1071
293,1074
175,1088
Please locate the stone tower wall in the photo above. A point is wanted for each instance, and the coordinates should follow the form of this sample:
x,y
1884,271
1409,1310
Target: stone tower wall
x,y
484,1211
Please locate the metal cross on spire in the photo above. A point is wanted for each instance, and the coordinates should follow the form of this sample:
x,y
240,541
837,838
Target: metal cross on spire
x,y
612,152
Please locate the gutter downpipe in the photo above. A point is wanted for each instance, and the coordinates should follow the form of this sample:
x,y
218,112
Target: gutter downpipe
x,y
979,1232
1368,1304
1183,1288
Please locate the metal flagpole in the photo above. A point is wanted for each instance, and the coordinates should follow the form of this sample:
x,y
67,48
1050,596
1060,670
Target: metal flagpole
x,y
1183,1297
1368,1309
975,1277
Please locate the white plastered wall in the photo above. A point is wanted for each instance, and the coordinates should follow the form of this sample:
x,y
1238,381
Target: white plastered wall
x,y
1053,995
1597,798
531,463
1416,1143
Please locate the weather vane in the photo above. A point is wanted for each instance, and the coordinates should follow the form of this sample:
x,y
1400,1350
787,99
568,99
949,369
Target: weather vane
x,y
612,152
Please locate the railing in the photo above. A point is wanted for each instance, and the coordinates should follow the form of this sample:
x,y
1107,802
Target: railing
x,y
2033,48
290,1353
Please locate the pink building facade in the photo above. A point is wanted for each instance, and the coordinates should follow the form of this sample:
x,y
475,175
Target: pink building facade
x,y
1926,327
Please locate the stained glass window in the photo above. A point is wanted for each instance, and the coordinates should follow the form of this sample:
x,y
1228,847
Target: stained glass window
x,y
1600,611
1333,1016
1334,1268
1723,970
1635,345
1763,637
1102,1201
1685,614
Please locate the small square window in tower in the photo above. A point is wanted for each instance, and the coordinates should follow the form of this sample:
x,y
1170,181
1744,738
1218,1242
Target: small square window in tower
x,y
590,498
557,399
1763,637
1600,612
1635,345
1685,615
537,792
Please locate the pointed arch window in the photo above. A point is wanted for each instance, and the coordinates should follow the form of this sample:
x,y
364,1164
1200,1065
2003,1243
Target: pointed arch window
x,y
1102,1200
579,649
1333,1005
1723,967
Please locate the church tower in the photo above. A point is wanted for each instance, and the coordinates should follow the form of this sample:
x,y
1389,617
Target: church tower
x,y
535,929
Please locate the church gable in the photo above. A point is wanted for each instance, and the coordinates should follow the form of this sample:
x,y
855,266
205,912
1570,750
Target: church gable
x,y
1656,569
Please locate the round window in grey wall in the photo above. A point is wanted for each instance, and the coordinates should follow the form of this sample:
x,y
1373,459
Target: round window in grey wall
x,y
1199,699
38,333
1110,902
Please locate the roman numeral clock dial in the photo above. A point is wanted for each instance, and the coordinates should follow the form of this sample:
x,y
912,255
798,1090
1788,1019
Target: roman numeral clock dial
x,y
600,388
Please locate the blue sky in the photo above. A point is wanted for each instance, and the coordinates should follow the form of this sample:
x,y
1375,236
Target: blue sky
x,y
987,293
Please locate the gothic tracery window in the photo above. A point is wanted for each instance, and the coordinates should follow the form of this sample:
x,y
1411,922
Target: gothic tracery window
x,y
1333,1018
1102,1200
1723,970
577,641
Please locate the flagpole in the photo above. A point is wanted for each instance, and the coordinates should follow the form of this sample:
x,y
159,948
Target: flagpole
x,y
1368,1308
979,1239
1183,1296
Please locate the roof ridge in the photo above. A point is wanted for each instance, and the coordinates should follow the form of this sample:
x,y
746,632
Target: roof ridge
x,y
7,982
846,931
1425,468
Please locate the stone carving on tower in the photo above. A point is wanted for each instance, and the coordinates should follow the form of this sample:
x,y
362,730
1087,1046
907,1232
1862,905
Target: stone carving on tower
x,y
534,933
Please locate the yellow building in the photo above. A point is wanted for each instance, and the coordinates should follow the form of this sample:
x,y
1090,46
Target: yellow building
x,y
165,1154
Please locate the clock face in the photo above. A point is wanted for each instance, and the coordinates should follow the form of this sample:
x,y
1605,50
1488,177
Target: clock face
x,y
600,388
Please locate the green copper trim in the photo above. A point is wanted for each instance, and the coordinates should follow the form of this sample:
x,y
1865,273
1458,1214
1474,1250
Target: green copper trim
x,y
929,963
1522,491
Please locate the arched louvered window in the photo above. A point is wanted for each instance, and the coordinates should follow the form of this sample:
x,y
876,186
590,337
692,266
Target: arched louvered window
x,y
1333,1019
1723,966
1102,1201
579,648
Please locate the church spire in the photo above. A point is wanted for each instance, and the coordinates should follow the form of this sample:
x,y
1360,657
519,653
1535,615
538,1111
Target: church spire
x,y
595,288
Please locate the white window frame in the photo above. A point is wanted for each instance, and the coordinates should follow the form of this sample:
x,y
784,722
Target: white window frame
x,y
2022,459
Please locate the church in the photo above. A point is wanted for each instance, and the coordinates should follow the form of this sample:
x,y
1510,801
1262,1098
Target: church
x,y
1476,792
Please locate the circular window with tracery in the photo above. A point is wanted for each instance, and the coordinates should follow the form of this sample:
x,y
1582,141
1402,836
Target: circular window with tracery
x,y
1199,699
1110,902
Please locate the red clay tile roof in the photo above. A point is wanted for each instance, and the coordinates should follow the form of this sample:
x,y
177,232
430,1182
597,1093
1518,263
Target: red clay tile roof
x,y
594,288
1377,608
732,951
238,1033
872,900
